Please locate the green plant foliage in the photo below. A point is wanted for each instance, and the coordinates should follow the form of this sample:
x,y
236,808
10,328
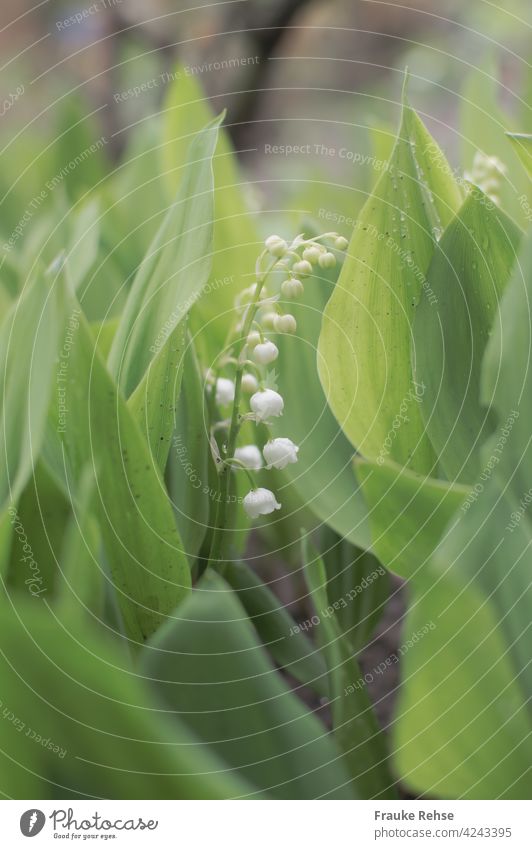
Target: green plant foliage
x,y
467,276
64,689
172,274
323,476
364,357
146,555
522,143
408,513
355,727
210,669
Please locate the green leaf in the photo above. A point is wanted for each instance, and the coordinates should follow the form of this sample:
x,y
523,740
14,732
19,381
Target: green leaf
x,y
354,724
482,128
364,357
79,722
82,582
187,473
38,521
408,513
154,402
211,670
463,727
236,239
522,143
28,349
286,642
359,586
506,385
145,552
323,476
467,276
172,274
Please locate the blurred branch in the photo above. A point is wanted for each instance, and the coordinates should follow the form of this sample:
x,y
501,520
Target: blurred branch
x,y
265,38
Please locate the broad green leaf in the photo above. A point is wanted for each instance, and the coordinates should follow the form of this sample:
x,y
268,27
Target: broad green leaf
x,y
172,274
145,553
153,403
187,472
408,513
522,143
78,722
28,349
467,276
354,724
463,727
236,239
364,355
323,475
286,642
211,671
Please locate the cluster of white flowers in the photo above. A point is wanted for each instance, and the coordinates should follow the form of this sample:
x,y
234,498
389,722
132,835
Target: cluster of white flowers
x,y
260,313
487,173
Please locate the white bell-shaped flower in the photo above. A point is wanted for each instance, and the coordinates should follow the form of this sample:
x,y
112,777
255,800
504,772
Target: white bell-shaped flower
x,y
280,452
225,391
249,383
260,502
265,404
276,245
265,353
285,323
249,456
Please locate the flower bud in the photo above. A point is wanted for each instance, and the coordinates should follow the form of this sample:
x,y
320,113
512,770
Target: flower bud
x,y
340,243
266,403
285,323
225,391
327,260
260,502
312,254
292,288
303,267
249,383
265,353
280,452
276,246
250,456
253,339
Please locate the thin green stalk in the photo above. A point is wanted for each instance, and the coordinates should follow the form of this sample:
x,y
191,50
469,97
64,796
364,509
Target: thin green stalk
x,y
217,552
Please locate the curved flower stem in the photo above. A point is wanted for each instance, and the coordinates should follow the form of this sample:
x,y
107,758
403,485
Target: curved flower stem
x,y
217,552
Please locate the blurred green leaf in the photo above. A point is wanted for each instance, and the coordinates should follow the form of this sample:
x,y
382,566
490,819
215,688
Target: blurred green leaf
x,y
29,338
286,642
482,127
78,722
211,671
462,727
172,274
355,727
522,143
236,240
358,585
